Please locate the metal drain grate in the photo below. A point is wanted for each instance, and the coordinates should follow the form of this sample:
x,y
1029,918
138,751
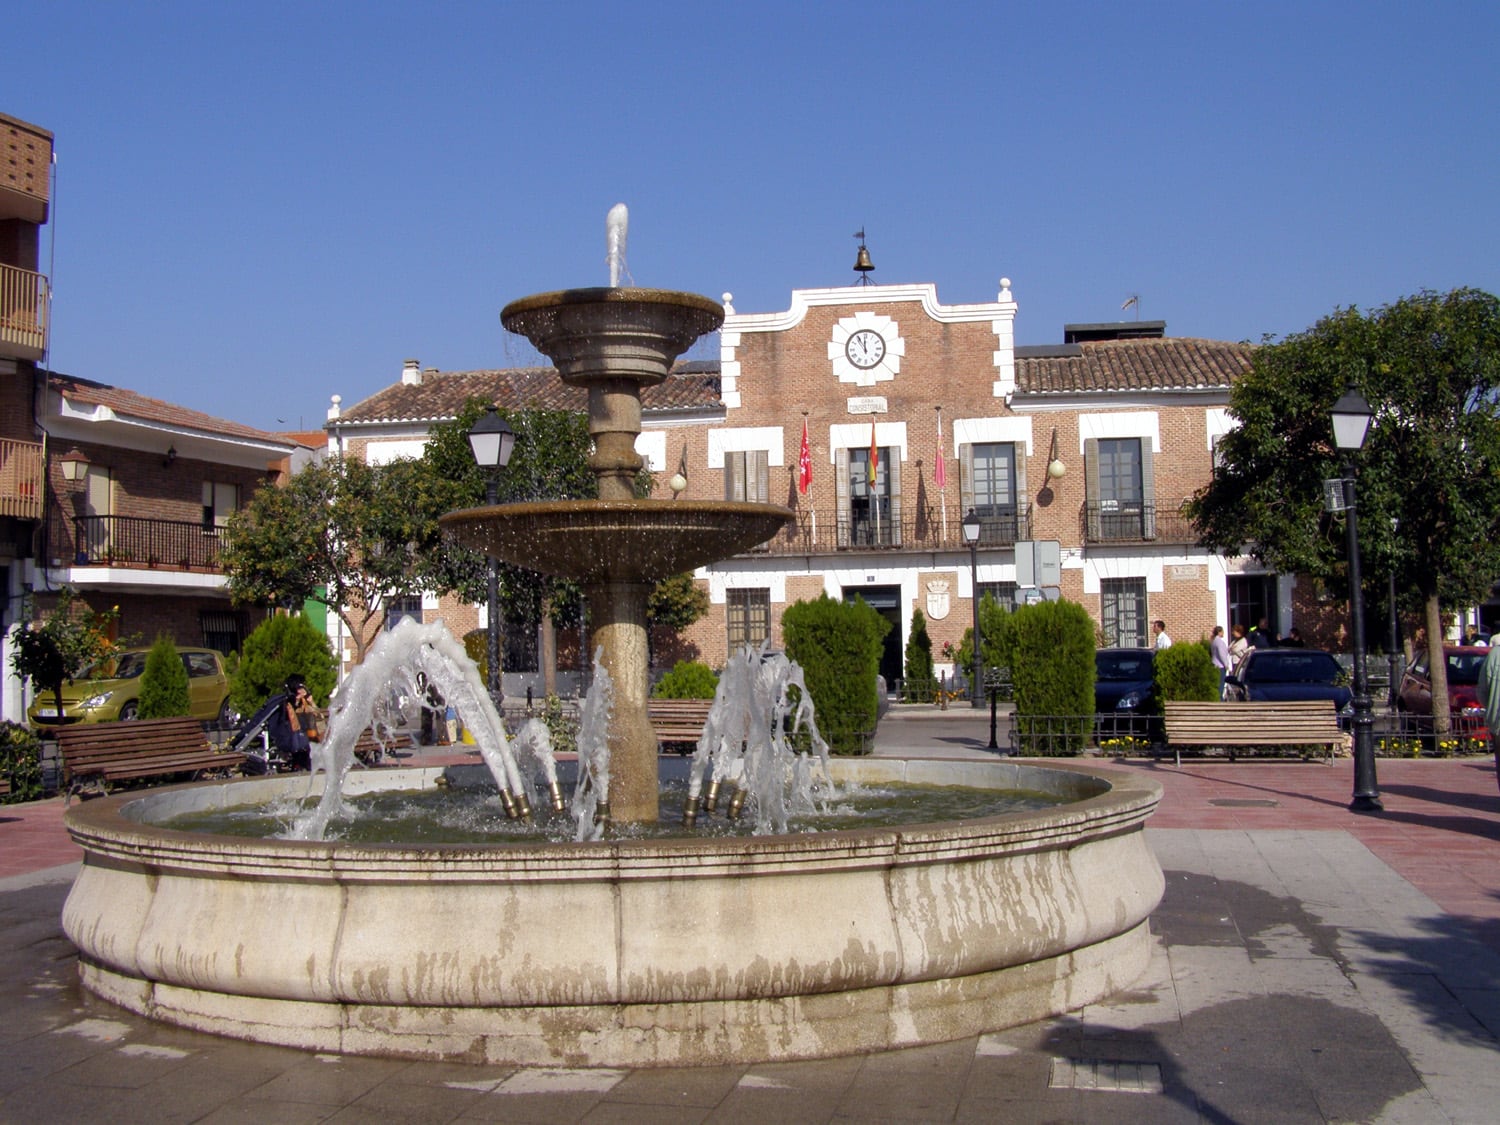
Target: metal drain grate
x,y
1244,803
1105,1074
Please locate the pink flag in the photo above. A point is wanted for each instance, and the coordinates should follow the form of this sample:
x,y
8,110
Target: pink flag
x,y
804,463
940,470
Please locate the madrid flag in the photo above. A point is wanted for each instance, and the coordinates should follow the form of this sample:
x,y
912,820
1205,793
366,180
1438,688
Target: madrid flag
x,y
804,463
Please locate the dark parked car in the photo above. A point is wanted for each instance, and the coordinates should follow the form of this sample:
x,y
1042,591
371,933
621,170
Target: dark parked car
x,y
1464,661
1280,675
1124,679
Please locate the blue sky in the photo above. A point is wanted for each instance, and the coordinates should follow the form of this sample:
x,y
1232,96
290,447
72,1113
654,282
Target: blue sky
x,y
259,205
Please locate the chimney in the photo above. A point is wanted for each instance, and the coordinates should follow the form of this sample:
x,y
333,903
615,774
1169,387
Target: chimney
x,y
411,373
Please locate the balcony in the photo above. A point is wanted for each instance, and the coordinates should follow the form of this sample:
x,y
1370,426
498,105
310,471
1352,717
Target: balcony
x,y
23,313
835,532
20,479
137,543
1121,521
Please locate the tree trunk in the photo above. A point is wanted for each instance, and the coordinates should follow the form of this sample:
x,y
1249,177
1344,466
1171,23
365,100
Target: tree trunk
x,y
1437,667
547,646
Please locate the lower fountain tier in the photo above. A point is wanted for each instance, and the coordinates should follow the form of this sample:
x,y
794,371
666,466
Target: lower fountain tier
x,y
632,952
597,541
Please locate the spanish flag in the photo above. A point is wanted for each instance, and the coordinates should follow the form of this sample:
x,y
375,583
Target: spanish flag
x,y
874,454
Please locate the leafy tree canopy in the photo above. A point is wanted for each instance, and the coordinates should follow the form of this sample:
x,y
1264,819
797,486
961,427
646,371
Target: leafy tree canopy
x,y
1429,472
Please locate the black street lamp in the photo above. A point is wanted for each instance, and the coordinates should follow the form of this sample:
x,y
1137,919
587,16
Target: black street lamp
x,y
492,440
1351,423
970,527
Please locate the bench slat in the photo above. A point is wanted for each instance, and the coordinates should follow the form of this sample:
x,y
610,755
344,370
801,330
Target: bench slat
x,y
1298,723
147,748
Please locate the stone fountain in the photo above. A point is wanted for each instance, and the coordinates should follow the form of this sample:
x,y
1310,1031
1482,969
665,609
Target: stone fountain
x,y
628,951
613,342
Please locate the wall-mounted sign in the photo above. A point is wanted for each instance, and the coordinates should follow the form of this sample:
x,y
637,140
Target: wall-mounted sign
x,y
867,404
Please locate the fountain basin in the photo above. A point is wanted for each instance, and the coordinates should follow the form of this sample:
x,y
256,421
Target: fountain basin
x,y
627,952
594,541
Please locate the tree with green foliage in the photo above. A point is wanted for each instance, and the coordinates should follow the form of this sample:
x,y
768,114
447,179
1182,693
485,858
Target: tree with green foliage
x,y
920,682
1049,648
1428,475
994,624
349,535
72,638
676,602
279,647
164,683
838,645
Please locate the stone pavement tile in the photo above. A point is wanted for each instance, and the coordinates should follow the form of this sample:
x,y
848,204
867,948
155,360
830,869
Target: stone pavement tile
x,y
917,1084
551,1094
1206,976
793,1093
411,1103
1483,1004
327,1079
678,1086
263,1112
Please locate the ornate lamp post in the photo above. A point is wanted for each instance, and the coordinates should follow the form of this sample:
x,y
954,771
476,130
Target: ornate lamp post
x,y
492,440
1351,423
970,527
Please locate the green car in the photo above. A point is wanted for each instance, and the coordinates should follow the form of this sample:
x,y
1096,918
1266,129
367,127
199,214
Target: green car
x,y
111,690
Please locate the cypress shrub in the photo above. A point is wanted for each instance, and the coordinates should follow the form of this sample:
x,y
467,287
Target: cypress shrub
x,y
688,679
838,646
920,683
280,646
1186,671
1049,648
164,683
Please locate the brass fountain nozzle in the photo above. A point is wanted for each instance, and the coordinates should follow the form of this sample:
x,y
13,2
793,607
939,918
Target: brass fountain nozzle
x,y
554,792
601,813
737,803
711,801
690,812
508,803
523,806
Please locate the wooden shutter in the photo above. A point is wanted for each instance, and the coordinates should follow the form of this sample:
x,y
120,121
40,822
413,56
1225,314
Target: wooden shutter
x,y
1023,528
758,476
1091,489
844,517
734,476
965,480
1148,491
893,476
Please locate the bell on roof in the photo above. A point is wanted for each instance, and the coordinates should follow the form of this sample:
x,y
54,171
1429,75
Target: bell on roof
x,y
862,263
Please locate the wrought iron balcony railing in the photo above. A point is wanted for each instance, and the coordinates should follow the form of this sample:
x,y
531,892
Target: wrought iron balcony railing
x,y
826,532
21,479
23,313
1120,521
132,541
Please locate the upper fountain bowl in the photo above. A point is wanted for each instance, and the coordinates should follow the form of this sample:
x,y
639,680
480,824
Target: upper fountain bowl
x,y
612,333
624,540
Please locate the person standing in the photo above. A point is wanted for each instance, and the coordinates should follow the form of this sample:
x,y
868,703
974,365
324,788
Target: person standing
x,y
1218,648
1488,690
1159,631
1239,648
1261,636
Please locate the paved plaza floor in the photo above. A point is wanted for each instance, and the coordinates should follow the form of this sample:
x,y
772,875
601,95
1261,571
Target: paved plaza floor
x,y
1310,965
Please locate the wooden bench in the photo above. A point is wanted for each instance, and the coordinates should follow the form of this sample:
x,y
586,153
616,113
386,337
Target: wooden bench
x,y
94,755
1236,725
679,721
370,750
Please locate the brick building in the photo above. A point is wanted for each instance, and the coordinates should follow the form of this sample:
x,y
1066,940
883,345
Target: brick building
x,y
1076,457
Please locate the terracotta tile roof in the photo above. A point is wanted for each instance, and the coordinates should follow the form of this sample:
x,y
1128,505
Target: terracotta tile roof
x,y
1170,364
129,404
440,395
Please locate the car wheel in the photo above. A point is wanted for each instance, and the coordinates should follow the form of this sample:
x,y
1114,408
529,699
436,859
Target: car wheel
x,y
228,716
128,711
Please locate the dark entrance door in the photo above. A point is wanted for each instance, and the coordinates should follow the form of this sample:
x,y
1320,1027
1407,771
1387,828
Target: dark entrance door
x,y
886,601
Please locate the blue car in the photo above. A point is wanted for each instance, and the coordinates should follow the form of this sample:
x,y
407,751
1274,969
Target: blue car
x,y
1124,685
1278,675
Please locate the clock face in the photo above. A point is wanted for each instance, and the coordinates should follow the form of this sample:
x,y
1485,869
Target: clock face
x,y
865,348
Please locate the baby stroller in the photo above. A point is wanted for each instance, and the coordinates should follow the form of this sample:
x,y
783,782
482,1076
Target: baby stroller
x,y
268,741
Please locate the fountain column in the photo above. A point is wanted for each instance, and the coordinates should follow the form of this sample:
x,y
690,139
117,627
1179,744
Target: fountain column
x,y
617,616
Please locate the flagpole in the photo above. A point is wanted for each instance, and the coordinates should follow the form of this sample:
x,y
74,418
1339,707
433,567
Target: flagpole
x,y
943,472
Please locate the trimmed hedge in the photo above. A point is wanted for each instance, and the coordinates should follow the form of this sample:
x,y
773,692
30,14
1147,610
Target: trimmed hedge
x,y
1049,648
688,679
838,645
164,683
1186,672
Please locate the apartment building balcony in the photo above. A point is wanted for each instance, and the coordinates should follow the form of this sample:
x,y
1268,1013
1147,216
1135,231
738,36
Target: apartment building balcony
x,y
834,531
20,479
135,543
1127,522
23,313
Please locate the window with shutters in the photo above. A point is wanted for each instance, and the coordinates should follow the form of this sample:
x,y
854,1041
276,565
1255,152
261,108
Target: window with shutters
x,y
993,485
748,612
220,501
1118,475
747,476
872,518
1122,611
